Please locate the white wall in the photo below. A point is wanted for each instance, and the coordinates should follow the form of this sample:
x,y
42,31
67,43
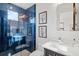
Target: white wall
x,y
52,32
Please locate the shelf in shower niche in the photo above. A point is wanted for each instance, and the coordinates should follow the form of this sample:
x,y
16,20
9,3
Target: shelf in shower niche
x,y
61,22
62,29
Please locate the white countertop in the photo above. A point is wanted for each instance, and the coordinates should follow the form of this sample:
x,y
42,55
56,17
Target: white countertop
x,y
64,49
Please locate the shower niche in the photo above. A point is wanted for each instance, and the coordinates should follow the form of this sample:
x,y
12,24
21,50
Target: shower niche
x,y
67,17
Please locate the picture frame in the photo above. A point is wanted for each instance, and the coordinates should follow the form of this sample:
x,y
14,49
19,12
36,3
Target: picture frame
x,y
43,17
43,31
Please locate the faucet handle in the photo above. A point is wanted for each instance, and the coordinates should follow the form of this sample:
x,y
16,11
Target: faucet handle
x,y
74,39
59,38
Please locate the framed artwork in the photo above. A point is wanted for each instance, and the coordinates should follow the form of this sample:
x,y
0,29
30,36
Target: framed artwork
x,y
43,17
43,31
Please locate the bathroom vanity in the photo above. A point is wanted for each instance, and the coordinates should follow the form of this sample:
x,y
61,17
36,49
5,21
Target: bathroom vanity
x,y
48,52
57,49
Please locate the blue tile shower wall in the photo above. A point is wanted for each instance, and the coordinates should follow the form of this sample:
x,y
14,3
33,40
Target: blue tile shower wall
x,y
6,6
3,31
3,13
3,6
31,12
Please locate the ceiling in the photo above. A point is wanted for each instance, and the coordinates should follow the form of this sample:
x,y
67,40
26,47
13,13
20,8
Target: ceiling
x,y
23,5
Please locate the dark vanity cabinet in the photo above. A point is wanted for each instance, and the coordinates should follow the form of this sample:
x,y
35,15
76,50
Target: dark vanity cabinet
x,y
48,52
3,31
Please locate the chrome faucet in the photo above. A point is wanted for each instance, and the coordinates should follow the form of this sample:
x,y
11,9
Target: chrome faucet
x,y
74,39
60,40
74,42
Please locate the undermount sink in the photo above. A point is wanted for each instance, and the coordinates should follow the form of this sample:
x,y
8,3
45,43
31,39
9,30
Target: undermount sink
x,y
59,46
63,46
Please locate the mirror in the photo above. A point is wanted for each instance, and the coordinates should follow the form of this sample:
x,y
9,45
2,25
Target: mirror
x,y
67,17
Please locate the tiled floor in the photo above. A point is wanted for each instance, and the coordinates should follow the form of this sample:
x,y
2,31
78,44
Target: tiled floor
x,y
22,53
